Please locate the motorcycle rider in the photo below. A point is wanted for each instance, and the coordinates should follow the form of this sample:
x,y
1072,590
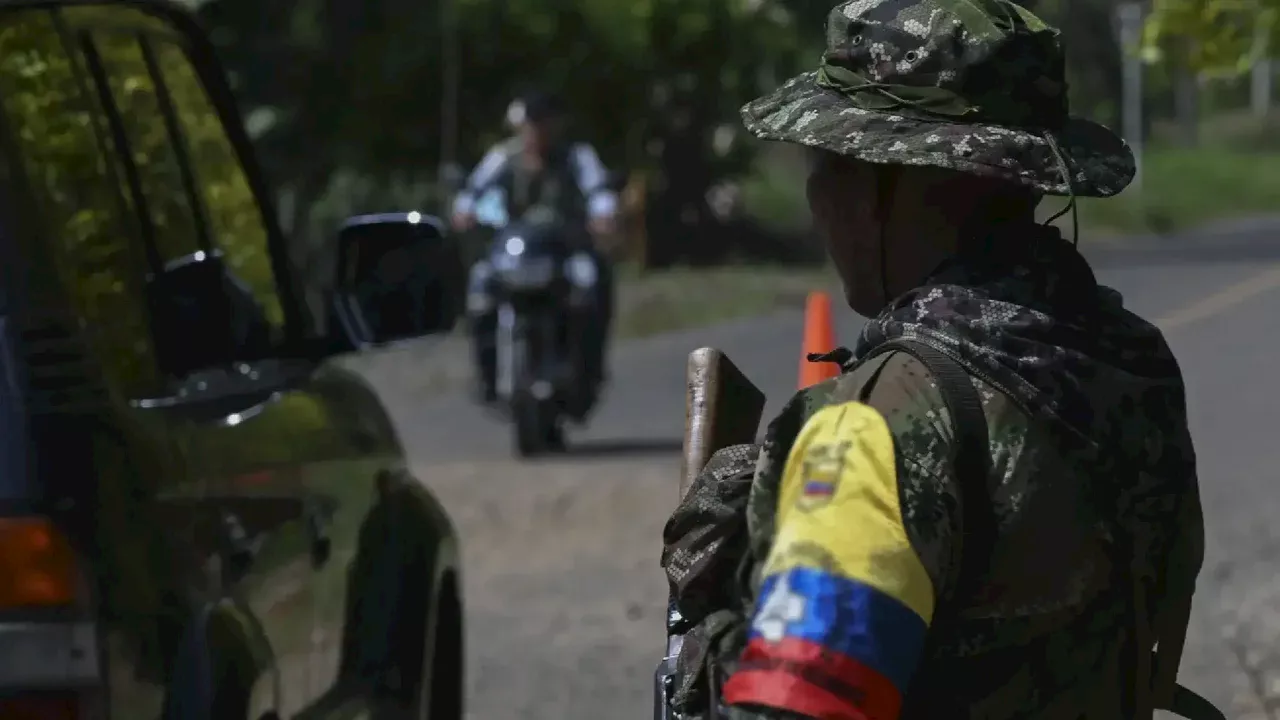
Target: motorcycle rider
x,y
541,166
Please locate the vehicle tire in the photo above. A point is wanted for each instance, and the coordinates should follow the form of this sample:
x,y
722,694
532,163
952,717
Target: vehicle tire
x,y
447,683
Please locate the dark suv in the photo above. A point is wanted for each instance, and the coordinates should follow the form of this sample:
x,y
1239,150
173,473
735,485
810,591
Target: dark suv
x,y
200,517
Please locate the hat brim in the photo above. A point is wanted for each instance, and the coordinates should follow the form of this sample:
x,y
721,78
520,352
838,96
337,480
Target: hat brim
x,y
803,112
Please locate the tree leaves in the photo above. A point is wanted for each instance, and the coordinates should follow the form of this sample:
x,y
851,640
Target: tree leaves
x,y
1215,36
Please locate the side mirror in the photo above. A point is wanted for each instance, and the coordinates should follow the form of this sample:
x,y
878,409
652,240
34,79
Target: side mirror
x,y
204,316
398,276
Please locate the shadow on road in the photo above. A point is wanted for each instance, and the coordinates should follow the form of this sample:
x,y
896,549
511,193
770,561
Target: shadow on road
x,y
623,448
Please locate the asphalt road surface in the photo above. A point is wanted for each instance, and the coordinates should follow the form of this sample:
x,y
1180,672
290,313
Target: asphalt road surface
x,y
564,597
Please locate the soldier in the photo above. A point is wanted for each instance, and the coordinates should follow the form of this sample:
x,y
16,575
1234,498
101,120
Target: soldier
x,y
860,564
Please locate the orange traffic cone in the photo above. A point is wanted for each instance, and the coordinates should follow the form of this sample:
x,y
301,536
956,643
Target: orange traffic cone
x,y
819,337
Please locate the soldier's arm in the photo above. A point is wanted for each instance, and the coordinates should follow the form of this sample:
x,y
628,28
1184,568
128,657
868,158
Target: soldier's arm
x,y
861,556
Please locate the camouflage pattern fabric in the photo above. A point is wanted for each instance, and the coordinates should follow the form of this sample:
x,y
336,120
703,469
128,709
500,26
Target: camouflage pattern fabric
x,y
976,86
1092,461
706,537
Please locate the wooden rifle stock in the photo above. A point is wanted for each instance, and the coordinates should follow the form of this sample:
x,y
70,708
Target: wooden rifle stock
x,y
722,408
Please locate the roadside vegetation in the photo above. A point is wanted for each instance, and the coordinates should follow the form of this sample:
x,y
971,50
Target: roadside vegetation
x,y
1233,171
666,300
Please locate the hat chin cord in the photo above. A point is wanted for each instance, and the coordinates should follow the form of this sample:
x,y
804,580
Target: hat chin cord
x,y
1071,193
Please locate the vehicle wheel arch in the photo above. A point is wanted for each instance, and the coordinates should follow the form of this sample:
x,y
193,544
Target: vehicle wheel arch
x,y
427,581
221,664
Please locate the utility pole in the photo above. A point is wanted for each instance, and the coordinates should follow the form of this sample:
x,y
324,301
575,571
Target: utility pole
x,y
1129,15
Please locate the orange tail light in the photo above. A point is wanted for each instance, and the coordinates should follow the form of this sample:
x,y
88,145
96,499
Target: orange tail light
x,y
38,566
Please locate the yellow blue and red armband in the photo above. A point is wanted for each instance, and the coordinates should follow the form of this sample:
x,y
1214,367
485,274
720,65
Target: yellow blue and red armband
x,y
845,601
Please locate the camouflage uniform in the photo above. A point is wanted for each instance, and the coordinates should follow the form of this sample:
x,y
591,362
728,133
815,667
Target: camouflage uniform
x,y
1093,478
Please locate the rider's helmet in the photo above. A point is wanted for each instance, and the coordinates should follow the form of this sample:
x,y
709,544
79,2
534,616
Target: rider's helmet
x,y
535,106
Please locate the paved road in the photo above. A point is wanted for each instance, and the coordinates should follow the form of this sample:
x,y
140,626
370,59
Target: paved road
x,y
564,596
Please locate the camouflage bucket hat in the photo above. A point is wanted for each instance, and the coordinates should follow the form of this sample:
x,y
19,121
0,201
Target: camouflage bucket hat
x,y
976,86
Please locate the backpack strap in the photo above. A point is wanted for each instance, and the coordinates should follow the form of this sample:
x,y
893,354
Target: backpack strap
x,y
971,457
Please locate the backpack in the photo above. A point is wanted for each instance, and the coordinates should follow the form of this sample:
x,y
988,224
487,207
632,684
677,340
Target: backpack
x,y
708,560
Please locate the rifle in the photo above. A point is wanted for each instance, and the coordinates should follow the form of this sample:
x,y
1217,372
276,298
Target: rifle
x,y
722,408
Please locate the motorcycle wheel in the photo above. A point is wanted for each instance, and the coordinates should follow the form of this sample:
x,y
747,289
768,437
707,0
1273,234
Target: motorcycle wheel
x,y
537,428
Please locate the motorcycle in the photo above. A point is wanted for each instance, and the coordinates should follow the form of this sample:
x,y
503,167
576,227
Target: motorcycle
x,y
542,292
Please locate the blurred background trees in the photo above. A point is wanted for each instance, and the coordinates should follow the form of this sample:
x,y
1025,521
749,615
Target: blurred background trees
x,y
356,106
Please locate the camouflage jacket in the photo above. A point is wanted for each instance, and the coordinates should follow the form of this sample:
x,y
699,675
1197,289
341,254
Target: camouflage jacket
x,y
1093,471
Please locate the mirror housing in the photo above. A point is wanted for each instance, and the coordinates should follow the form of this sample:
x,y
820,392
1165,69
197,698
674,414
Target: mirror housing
x,y
203,316
398,276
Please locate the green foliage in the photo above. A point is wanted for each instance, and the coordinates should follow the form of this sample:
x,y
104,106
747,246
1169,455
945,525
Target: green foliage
x,y
86,225
359,89
91,234
774,192
234,218
1221,36
1186,187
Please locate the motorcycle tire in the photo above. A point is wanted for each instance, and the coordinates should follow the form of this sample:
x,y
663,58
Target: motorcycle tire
x,y
537,428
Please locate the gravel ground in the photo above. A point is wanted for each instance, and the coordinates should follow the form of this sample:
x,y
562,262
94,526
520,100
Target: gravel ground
x,y
560,563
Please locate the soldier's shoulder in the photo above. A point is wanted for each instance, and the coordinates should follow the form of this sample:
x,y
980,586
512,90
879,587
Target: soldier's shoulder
x,y
903,390
803,405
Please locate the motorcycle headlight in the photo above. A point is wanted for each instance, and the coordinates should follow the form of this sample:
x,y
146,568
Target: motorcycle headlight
x,y
581,270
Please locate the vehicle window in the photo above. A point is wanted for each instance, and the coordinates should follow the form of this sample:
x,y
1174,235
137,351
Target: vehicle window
x,y
54,119
152,149
234,217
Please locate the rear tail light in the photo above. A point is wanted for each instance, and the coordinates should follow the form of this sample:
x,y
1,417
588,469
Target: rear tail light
x,y
38,567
